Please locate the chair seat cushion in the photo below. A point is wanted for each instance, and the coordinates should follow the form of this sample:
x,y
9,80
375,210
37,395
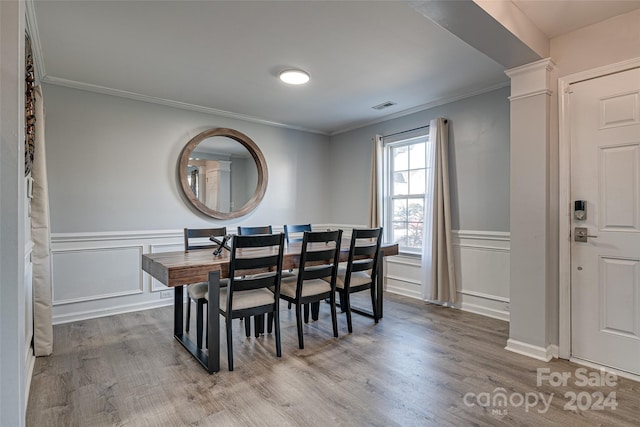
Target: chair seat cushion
x,y
292,273
358,278
259,275
198,290
309,287
245,299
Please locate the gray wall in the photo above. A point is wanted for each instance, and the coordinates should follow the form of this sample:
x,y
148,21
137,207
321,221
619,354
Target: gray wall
x,y
479,162
244,180
112,165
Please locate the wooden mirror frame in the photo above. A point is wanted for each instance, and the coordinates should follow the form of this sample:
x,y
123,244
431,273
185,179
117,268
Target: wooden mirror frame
x,y
257,155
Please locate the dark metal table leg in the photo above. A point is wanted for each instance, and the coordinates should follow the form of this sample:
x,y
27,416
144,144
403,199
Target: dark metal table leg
x,y
210,359
177,311
213,322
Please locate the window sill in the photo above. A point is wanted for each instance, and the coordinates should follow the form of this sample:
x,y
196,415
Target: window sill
x,y
409,255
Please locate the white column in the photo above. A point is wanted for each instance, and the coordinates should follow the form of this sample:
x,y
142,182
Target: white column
x,y
218,194
12,215
534,212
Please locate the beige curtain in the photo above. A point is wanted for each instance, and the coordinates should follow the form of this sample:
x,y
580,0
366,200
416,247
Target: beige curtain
x,y
439,283
375,189
41,236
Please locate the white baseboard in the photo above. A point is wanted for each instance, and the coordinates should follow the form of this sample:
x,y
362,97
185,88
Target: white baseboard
x,y
485,311
404,291
110,311
533,351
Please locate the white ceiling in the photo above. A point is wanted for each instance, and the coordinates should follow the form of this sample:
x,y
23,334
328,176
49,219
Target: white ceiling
x,y
224,56
557,17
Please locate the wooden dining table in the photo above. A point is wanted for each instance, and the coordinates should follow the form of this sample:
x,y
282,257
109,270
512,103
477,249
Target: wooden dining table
x,y
177,269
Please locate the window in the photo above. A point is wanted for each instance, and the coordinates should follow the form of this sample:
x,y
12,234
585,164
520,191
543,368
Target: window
x,y
406,176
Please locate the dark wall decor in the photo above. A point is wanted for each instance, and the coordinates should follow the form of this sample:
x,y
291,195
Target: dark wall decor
x,y
30,108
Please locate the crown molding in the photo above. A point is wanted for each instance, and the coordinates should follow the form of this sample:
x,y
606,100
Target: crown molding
x,y
170,103
207,110
435,103
545,64
532,79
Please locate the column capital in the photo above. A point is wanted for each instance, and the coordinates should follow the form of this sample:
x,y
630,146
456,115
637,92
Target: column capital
x,y
531,79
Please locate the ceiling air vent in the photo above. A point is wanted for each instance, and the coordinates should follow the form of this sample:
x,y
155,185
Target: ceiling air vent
x,y
383,105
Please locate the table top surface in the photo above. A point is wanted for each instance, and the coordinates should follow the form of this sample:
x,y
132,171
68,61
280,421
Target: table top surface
x,y
183,268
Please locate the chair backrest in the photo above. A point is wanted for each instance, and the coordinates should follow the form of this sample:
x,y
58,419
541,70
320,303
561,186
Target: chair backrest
x,y
251,254
363,252
190,234
297,230
252,231
319,257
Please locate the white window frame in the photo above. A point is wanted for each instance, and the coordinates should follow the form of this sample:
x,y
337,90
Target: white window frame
x,y
387,199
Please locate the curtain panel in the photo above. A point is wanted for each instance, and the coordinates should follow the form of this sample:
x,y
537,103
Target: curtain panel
x,y
41,236
375,187
438,274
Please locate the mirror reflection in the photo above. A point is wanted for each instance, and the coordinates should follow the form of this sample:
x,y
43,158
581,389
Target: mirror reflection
x,y
222,174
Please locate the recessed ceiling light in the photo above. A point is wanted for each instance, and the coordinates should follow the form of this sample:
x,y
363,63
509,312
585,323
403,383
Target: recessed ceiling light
x,y
294,77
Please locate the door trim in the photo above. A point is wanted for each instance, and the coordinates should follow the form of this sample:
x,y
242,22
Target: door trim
x,y
564,161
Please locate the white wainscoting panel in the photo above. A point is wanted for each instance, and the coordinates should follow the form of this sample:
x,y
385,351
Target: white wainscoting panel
x,y
482,272
403,276
96,273
99,274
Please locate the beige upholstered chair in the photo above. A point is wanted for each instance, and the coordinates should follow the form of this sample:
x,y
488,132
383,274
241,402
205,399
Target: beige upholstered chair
x,y
252,231
361,270
253,294
258,321
194,238
293,233
318,259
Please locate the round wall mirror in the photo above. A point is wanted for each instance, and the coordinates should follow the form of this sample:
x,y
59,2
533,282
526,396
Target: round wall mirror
x,y
223,173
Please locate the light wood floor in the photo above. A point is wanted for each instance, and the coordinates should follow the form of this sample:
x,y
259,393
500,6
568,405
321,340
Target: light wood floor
x,y
412,369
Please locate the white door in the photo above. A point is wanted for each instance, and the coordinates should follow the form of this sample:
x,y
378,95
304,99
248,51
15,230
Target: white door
x,y
605,172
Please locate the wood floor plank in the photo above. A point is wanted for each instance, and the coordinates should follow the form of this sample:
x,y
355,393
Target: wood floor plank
x,y
422,365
